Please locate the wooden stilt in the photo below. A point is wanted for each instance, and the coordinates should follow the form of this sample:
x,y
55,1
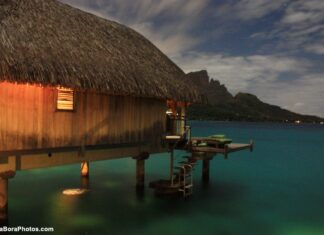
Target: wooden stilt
x,y
85,169
140,170
85,182
3,201
4,176
171,165
140,173
205,170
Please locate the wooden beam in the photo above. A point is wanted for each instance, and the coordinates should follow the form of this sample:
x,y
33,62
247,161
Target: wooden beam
x,y
71,149
34,161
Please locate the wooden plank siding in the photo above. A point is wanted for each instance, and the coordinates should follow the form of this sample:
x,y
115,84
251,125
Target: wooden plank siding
x,y
29,119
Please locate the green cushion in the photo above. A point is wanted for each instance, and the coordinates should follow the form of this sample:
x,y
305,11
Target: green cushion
x,y
217,136
203,144
224,141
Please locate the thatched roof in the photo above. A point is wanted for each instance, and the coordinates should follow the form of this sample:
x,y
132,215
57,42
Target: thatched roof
x,y
50,43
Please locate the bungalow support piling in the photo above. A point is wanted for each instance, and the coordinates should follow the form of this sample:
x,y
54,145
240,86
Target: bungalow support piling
x,y
4,196
84,181
205,169
3,200
85,169
171,165
140,170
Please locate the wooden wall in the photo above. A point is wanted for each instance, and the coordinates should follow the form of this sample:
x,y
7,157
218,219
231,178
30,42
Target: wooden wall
x,y
29,119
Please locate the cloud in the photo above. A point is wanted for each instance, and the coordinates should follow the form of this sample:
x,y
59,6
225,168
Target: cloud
x,y
300,27
167,23
275,79
250,9
302,15
240,72
304,95
298,105
297,17
167,42
316,48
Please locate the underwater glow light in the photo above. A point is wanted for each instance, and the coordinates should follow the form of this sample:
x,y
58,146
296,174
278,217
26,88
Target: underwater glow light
x,y
75,191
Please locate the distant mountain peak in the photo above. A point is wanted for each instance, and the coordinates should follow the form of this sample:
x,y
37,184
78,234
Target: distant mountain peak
x,y
221,104
211,88
199,78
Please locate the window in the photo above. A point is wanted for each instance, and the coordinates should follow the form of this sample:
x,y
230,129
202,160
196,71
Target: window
x,y
65,99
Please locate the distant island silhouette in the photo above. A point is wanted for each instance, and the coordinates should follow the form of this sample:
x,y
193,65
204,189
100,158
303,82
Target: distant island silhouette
x,y
220,104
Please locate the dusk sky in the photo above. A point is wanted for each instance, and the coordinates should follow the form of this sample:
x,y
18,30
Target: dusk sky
x,y
271,48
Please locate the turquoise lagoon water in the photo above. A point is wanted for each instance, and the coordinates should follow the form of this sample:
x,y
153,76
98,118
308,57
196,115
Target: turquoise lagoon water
x,y
277,189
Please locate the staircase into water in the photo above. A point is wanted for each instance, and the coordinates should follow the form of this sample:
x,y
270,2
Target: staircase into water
x,y
181,182
182,176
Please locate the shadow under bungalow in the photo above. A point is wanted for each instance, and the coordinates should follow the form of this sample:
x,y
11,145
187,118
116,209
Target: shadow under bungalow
x,y
76,88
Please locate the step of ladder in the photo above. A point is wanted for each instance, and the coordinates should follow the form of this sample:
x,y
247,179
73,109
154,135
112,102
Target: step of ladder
x,y
184,177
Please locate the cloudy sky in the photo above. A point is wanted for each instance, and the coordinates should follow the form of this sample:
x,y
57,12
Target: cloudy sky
x,y
271,48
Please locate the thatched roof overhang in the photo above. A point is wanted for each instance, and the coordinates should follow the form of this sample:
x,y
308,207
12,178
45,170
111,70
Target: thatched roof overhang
x,y
52,44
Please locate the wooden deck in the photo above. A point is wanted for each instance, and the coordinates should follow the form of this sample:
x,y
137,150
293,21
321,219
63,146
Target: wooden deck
x,y
226,149
215,146
177,181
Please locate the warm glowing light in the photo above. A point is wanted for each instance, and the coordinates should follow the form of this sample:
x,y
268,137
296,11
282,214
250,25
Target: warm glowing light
x,y
322,123
169,112
297,121
65,99
85,169
74,191
173,137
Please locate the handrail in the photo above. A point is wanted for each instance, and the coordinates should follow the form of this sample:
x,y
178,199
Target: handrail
x,y
188,133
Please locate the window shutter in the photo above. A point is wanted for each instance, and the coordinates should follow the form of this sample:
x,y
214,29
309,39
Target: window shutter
x,y
65,99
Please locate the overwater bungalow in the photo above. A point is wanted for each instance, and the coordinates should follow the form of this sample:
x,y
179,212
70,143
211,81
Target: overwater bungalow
x,y
76,88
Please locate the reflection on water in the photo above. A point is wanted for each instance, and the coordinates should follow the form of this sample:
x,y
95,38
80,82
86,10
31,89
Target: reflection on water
x,y
85,183
66,217
275,190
